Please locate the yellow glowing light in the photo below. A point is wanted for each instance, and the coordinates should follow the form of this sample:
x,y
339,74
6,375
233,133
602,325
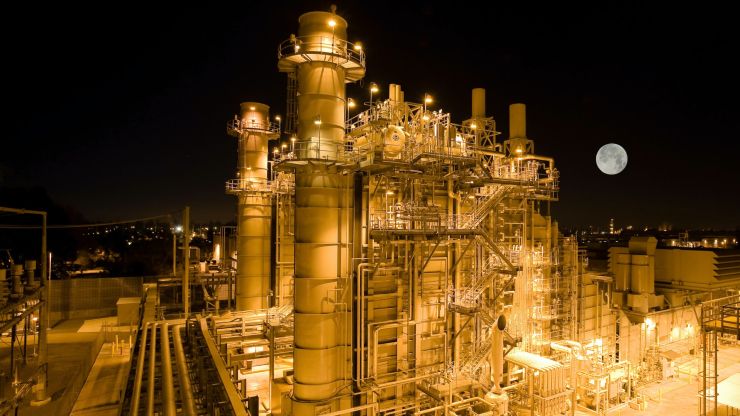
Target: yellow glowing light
x,y
252,108
473,126
676,333
425,117
277,118
283,145
650,324
358,46
519,150
317,121
350,103
389,193
428,98
297,48
293,139
332,23
373,87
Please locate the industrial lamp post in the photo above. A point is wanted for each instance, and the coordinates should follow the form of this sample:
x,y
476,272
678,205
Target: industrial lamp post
x,y
373,88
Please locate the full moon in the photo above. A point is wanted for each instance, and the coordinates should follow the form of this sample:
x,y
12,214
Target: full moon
x,y
611,158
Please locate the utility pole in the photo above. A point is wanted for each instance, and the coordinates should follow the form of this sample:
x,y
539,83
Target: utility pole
x,y
186,260
174,252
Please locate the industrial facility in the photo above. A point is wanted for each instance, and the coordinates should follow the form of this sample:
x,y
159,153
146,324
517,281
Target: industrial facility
x,y
399,260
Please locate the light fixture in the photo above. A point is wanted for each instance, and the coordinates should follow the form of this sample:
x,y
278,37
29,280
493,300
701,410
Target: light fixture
x,y
389,193
350,103
252,108
427,99
373,87
293,139
277,117
332,23
358,46
317,121
283,145
473,126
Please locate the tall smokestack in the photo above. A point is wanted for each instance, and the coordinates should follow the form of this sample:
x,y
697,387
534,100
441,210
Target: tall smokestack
x,y
253,130
479,103
323,61
517,121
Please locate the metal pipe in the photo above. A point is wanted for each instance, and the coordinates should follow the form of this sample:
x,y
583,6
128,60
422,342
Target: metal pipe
x,y
152,371
139,372
168,389
186,390
497,354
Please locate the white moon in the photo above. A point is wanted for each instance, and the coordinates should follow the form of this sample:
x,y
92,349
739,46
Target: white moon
x,y
611,158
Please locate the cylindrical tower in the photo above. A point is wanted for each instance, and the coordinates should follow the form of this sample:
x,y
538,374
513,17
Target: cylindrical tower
x,y
478,103
323,62
253,130
517,121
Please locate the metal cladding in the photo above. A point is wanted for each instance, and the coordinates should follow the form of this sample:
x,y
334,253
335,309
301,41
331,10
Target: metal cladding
x,y
253,130
323,62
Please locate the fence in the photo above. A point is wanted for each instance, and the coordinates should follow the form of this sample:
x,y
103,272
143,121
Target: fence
x,y
88,298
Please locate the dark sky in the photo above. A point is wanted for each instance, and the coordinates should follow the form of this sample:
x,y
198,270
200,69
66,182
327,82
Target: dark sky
x,y
121,112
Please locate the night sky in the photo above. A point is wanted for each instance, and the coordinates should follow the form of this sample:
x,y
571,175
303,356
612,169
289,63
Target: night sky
x,y
120,113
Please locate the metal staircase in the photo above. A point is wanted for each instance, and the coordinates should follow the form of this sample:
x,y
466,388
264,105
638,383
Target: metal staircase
x,y
484,208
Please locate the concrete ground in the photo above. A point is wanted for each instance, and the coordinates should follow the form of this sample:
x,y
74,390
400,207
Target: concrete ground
x,y
678,397
73,346
101,394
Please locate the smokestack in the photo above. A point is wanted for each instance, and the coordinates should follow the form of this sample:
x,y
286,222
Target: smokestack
x,y
323,207
517,121
479,103
254,211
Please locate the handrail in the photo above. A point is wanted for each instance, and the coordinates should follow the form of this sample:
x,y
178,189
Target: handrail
x,y
223,374
303,45
241,126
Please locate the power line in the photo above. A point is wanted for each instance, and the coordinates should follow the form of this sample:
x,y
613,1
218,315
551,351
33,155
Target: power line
x,y
92,225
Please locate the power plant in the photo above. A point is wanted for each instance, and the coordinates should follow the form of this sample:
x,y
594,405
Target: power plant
x,y
399,261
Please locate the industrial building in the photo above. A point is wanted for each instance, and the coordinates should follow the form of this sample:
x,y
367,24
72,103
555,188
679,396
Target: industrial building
x,y
400,261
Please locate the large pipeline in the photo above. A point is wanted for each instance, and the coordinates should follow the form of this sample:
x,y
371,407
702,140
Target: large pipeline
x,y
168,389
139,372
186,390
152,368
